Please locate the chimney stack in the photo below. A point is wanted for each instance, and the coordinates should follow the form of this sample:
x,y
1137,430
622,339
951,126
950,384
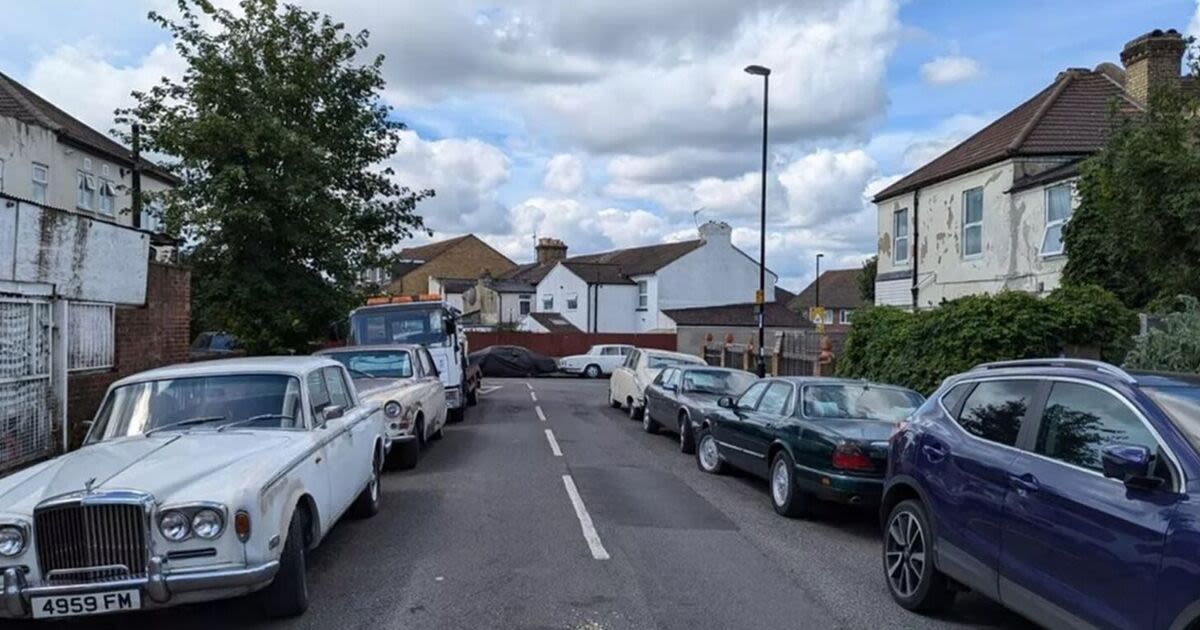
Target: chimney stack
x,y
550,250
1152,63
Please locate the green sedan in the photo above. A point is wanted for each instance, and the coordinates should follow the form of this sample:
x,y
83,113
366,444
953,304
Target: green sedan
x,y
811,438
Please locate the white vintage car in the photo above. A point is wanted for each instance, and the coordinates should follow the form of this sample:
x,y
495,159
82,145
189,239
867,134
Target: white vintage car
x,y
628,383
600,360
403,379
196,482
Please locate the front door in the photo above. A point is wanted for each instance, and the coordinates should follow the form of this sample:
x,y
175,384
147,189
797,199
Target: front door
x,y
760,426
1075,543
734,434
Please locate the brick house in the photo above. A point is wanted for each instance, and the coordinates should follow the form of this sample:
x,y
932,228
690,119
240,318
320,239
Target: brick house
x,y
464,257
839,296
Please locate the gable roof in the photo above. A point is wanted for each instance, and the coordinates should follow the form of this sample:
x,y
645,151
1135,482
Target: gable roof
x,y
839,289
23,104
776,314
554,322
597,273
529,273
1068,117
429,251
636,261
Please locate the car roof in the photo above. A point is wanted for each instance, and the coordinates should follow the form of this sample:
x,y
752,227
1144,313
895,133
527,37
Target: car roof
x,y
289,365
830,380
708,368
668,353
369,348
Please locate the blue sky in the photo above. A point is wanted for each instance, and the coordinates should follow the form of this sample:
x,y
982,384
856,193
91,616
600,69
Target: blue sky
x,y
608,123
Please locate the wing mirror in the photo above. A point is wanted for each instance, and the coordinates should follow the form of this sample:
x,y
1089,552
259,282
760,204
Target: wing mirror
x,y
449,325
1130,464
725,402
332,412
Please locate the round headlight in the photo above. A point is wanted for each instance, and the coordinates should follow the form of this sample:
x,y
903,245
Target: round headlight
x,y
207,524
174,526
392,409
12,541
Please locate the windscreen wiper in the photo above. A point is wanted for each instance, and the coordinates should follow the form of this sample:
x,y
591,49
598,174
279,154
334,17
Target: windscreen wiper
x,y
261,416
184,423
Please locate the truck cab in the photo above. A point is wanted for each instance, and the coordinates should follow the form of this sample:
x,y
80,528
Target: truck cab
x,y
426,320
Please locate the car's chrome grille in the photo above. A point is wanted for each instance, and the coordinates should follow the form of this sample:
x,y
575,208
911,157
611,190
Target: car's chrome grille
x,y
79,543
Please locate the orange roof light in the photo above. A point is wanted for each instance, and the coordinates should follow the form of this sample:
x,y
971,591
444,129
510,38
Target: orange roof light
x,y
379,299
402,299
429,297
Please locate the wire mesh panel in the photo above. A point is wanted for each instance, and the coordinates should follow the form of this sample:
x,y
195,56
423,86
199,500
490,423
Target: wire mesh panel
x,y
91,338
26,429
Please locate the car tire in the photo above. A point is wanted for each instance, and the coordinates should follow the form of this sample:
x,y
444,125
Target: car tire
x,y
687,441
708,461
287,595
405,456
367,503
613,402
437,435
592,371
786,498
649,425
473,396
907,529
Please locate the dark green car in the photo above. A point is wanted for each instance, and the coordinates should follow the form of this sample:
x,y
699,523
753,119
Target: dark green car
x,y
811,438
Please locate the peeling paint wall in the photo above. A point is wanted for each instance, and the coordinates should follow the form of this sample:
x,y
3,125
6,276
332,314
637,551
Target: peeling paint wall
x,y
1012,232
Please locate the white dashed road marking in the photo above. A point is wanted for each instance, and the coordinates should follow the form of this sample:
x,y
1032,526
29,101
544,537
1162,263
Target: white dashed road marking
x,y
487,389
585,520
541,416
533,396
553,443
529,386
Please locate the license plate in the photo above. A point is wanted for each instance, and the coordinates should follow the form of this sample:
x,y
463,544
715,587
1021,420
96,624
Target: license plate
x,y
90,604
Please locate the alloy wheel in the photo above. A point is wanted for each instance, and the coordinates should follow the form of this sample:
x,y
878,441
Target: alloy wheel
x,y
904,554
708,453
682,435
781,482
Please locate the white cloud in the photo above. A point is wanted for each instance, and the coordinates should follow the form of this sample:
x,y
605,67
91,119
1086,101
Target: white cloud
x,y
583,227
950,69
1193,29
465,175
564,174
824,185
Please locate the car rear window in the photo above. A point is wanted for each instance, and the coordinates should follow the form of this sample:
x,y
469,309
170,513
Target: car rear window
x,y
1182,405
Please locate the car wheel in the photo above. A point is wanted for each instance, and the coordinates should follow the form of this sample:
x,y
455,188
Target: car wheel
x,y
613,402
367,503
708,458
405,456
687,442
287,595
635,412
592,371
437,435
786,498
473,396
649,425
913,580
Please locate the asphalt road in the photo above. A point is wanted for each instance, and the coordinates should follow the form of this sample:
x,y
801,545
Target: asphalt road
x,y
485,534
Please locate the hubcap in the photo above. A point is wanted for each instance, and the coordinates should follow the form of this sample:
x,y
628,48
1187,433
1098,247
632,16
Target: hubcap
x,y
375,485
780,480
904,554
708,452
646,420
682,435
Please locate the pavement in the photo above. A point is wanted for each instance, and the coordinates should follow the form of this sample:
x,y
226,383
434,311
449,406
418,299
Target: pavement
x,y
581,521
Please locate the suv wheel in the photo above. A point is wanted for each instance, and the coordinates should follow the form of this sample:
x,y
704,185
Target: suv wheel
x,y
915,583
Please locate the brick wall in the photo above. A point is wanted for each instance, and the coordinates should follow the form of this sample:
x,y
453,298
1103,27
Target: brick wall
x,y
148,336
469,259
566,344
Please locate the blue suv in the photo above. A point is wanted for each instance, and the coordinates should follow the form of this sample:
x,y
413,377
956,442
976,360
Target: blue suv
x,y
1066,490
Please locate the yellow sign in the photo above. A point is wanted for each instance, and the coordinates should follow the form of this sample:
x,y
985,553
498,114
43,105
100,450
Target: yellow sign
x,y
817,315
758,297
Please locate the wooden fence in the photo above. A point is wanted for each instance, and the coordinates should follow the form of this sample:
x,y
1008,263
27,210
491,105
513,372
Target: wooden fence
x,y
797,353
566,344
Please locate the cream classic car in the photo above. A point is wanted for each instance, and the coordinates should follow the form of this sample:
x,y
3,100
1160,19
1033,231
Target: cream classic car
x,y
403,379
195,483
628,383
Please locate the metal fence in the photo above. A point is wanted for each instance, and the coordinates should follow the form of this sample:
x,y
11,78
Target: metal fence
x,y
91,340
26,427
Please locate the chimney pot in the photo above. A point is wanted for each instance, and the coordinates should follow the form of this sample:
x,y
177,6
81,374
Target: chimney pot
x,y
549,250
1152,63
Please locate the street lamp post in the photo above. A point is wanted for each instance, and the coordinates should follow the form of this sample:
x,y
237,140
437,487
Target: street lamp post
x,y
760,297
817,297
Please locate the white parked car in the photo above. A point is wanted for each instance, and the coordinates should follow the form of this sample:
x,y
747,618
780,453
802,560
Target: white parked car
x,y
599,360
195,483
403,380
627,387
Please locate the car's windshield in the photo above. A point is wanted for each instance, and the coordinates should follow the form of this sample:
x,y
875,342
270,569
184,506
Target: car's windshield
x,y
1182,405
252,400
658,361
716,381
376,363
859,402
401,324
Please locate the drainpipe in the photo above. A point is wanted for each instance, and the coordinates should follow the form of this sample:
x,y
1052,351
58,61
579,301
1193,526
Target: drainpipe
x,y
916,247
136,203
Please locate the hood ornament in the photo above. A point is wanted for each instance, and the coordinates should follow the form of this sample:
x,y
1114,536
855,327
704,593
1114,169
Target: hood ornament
x,y
87,485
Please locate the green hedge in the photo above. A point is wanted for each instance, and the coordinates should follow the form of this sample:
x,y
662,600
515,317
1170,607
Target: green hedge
x,y
919,350
1173,348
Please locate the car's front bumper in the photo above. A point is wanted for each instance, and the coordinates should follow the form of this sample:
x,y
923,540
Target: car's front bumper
x,y
162,588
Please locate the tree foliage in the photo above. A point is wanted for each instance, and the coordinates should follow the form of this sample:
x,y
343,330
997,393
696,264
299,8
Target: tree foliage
x,y
866,279
279,137
1175,347
1137,229
919,350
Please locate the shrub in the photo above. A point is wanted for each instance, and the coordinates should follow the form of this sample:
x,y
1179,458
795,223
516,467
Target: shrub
x,y
919,350
1173,348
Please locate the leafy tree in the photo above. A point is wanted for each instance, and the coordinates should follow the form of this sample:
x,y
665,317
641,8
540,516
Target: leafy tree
x,y
279,137
1137,229
866,279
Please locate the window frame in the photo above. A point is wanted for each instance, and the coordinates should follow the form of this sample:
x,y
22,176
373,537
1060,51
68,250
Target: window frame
x,y
844,316
42,184
738,399
896,238
570,298
525,303
643,298
106,192
548,303
1059,223
1033,414
789,402
85,191
334,373
967,225
827,318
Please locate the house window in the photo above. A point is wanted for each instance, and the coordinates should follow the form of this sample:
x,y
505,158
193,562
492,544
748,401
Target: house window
x,y
572,301
548,303
41,181
108,196
972,222
900,240
643,294
1058,212
846,313
828,316
525,304
85,185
